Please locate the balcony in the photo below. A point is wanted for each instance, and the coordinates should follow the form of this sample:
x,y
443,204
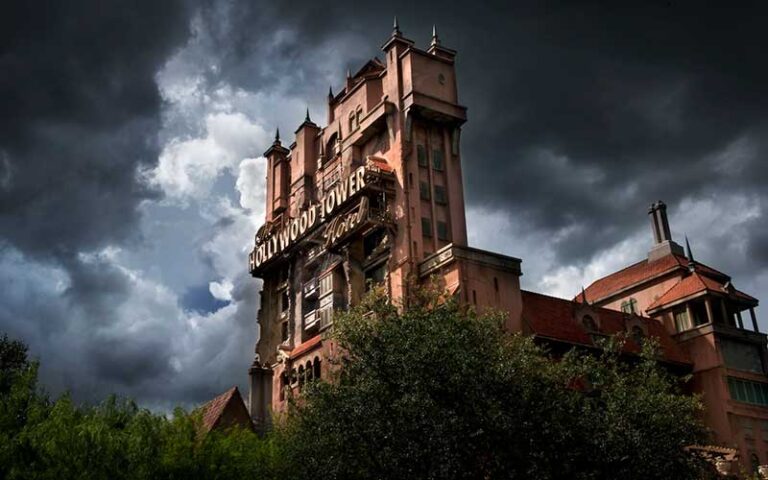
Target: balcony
x,y
311,319
311,289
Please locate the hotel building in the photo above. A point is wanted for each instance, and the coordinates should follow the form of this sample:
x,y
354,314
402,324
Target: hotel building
x,y
376,197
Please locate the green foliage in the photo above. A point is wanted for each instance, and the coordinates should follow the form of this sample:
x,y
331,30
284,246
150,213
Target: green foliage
x,y
441,393
40,439
431,392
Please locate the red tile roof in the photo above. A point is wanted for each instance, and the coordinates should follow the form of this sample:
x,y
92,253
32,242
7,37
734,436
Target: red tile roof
x,y
555,319
381,164
213,410
691,285
640,272
306,346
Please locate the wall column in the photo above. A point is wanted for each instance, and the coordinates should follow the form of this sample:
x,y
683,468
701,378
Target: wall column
x,y
741,321
754,318
708,305
260,398
724,311
689,314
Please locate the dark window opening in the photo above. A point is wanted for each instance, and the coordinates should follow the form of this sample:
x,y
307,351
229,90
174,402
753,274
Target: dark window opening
x,y
699,311
372,241
421,155
284,331
496,284
375,276
441,197
316,368
284,301
474,297
424,190
437,159
426,226
442,230
589,323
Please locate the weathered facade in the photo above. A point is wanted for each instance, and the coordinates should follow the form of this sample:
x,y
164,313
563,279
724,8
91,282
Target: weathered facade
x,y
376,197
713,322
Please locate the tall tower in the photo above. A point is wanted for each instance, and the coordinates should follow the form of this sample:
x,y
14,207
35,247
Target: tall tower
x,y
374,197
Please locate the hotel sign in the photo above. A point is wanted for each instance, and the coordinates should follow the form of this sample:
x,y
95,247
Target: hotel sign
x,y
277,241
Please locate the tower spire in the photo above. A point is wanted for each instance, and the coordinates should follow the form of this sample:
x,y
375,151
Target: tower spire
x,y
307,119
277,135
330,92
688,252
395,27
435,38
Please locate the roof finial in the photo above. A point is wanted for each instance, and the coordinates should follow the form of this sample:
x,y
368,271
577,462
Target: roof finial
x,y
330,92
435,39
584,296
688,252
395,27
277,135
349,73
307,119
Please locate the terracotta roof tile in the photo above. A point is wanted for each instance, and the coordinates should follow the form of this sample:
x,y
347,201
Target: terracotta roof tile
x,y
639,272
555,318
214,408
691,285
306,346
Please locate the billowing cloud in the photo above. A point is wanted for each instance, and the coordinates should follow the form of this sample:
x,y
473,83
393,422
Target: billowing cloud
x,y
131,181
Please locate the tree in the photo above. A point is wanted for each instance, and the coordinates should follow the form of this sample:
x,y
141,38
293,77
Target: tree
x,y
44,439
436,391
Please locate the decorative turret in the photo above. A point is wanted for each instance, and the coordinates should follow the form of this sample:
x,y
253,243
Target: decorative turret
x,y
435,48
278,178
304,164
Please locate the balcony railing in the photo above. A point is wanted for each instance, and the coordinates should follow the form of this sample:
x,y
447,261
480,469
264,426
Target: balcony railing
x,y
311,289
311,319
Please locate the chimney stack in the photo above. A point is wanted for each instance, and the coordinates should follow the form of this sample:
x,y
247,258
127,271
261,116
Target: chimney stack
x,y
662,237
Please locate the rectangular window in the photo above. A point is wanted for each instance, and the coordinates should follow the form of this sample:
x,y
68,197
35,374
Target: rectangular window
x,y
440,195
421,155
424,190
284,301
284,331
747,391
681,321
426,226
437,159
442,230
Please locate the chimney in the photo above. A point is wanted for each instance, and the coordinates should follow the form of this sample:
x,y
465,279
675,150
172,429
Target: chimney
x,y
662,237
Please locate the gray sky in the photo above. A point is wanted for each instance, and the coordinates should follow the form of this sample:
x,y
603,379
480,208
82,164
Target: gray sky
x,y
131,181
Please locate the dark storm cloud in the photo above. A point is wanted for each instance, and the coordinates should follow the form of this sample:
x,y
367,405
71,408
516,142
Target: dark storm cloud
x,y
579,117
80,111
580,114
79,115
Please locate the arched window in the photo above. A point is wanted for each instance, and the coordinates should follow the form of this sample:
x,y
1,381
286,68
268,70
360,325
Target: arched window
x,y
638,335
283,384
301,376
309,371
358,116
589,323
351,121
317,368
